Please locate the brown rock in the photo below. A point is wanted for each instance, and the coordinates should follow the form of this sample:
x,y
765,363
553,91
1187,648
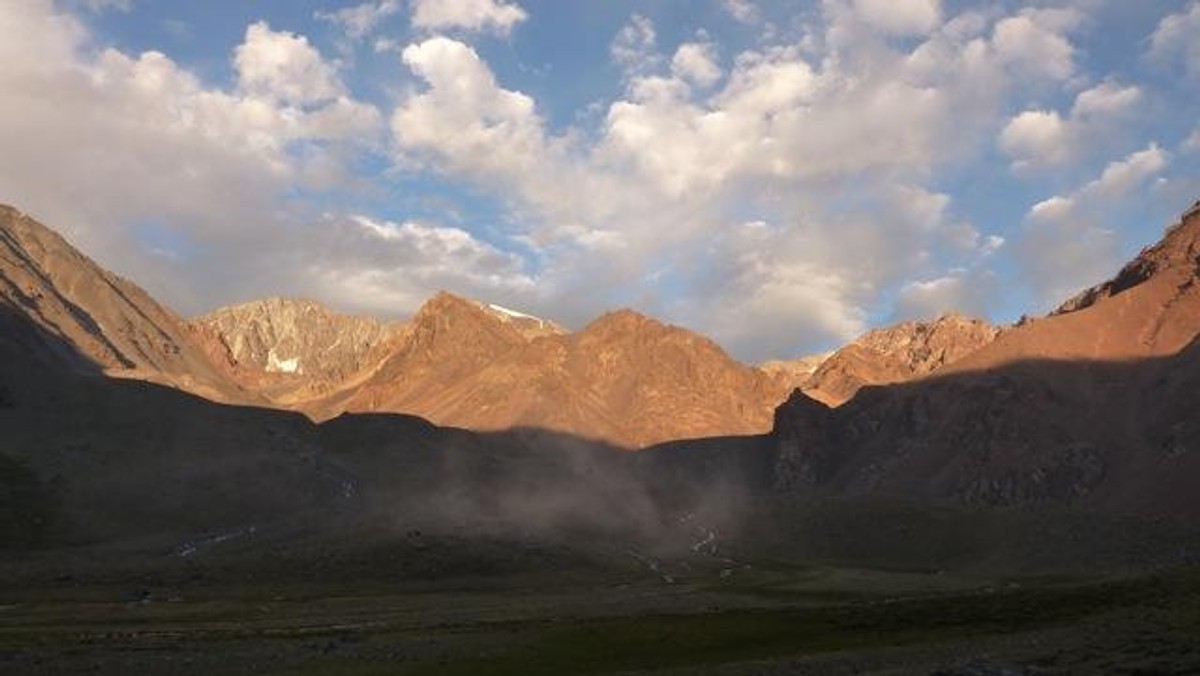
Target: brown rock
x,y
897,354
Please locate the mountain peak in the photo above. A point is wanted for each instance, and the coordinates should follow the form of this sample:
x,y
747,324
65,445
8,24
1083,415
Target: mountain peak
x,y
623,320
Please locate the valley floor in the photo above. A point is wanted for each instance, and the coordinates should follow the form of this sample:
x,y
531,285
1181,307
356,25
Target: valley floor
x,y
759,617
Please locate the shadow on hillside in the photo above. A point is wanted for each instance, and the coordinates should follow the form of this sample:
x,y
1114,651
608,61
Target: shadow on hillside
x,y
27,346
1106,435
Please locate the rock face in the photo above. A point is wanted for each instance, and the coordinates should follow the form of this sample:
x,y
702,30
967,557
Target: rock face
x,y
897,354
625,378
109,324
294,350
1092,405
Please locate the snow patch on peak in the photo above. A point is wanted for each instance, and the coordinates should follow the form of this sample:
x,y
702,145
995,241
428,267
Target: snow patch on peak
x,y
513,314
528,324
277,365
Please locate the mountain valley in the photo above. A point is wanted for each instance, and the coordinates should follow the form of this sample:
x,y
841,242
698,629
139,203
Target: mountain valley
x,y
277,483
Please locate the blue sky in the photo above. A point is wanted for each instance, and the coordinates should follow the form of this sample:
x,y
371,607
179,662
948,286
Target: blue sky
x,y
780,175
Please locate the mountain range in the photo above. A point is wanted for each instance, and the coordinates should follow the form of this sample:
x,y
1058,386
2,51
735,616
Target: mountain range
x,y
624,378
128,418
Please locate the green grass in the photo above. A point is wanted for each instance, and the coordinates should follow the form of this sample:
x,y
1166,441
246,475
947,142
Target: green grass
x,y
1148,621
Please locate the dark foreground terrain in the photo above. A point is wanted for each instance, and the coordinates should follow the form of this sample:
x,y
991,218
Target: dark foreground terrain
x,y
1004,593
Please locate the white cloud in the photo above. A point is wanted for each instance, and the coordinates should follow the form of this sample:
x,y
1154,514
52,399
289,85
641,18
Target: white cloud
x,y
1036,136
1035,42
1071,241
744,11
105,5
389,268
1106,99
634,46
1122,176
109,147
358,21
968,292
1175,39
496,16
696,62
1037,139
900,17
285,67
1192,143
465,122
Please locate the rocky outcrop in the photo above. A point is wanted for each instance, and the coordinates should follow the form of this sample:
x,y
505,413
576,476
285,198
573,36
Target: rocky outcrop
x,y
897,354
295,350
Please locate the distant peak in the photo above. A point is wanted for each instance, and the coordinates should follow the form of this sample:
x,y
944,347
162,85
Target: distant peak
x,y
443,300
444,303
270,305
623,316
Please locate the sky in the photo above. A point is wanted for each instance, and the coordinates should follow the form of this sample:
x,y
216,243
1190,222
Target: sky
x,y
780,175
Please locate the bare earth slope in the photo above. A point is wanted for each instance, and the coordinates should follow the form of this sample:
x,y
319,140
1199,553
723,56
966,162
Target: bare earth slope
x,y
1093,405
110,323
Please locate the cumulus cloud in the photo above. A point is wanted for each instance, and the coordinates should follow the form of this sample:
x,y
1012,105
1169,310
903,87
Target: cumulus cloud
x,y
744,11
900,17
1192,143
384,267
465,122
285,67
1071,241
1035,42
358,21
105,5
1037,139
1174,40
634,47
964,291
696,62
496,16
133,154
